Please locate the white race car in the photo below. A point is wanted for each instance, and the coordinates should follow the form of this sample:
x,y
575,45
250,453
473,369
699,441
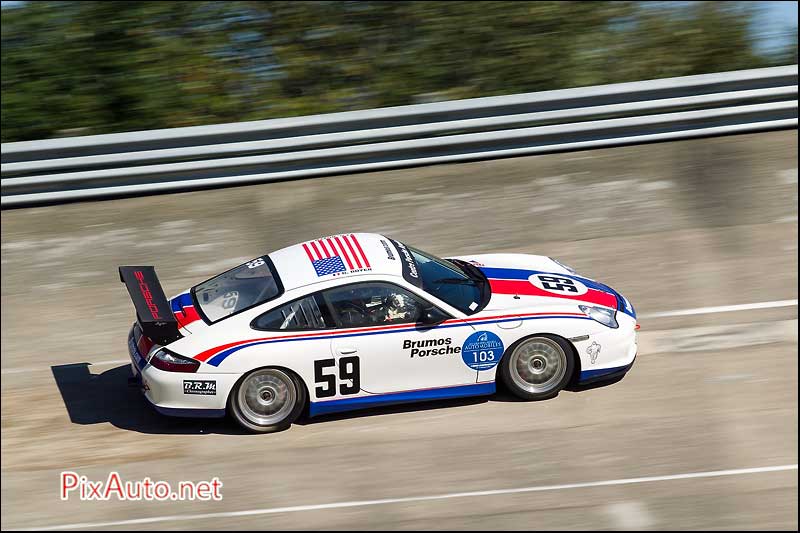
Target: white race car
x,y
361,320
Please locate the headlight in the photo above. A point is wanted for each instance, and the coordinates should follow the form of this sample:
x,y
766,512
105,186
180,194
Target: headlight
x,y
604,315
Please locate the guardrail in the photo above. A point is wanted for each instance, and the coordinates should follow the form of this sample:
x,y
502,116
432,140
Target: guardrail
x,y
146,162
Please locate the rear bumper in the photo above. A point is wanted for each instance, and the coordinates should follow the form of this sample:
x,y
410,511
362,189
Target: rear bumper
x,y
155,383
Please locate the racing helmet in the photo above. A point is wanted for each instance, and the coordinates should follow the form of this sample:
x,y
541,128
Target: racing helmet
x,y
401,306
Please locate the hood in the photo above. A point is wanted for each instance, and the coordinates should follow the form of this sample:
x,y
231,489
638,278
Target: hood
x,y
522,280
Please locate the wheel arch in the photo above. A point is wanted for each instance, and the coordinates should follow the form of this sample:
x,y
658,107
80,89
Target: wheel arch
x,y
287,370
576,371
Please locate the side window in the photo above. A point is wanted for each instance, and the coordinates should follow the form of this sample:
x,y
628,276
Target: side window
x,y
373,304
307,313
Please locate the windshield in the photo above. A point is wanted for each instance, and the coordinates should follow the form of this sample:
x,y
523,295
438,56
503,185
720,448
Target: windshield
x,y
240,288
453,283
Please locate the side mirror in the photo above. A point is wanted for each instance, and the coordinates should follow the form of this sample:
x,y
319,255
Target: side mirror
x,y
432,316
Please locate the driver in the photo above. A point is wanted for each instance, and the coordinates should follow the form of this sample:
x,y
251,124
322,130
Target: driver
x,y
401,307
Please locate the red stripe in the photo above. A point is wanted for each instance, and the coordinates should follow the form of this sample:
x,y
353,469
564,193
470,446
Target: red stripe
x,y
520,315
336,252
207,354
316,250
186,317
363,256
344,253
324,248
308,252
353,252
202,356
507,286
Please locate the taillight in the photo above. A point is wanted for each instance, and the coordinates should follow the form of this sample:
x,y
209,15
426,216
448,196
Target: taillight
x,y
163,359
143,343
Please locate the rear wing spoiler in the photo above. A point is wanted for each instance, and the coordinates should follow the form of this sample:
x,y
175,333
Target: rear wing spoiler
x,y
153,311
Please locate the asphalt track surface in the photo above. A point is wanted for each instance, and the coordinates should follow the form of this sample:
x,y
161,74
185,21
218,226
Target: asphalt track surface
x,y
707,411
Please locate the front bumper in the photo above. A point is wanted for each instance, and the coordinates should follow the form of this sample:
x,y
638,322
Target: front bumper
x,y
608,354
166,391
606,374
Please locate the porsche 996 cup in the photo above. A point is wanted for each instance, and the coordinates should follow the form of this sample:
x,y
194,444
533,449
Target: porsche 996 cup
x,y
360,320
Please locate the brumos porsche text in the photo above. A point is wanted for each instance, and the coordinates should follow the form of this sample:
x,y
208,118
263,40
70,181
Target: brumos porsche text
x,y
431,347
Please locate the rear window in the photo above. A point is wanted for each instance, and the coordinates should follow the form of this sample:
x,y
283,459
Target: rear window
x,y
310,312
240,288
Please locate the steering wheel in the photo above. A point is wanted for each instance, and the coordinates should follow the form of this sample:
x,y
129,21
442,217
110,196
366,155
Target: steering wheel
x,y
352,314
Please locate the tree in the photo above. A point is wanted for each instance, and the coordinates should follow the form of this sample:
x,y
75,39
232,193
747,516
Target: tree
x,y
110,66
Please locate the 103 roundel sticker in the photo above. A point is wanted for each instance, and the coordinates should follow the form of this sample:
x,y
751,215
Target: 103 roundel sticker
x,y
558,284
482,350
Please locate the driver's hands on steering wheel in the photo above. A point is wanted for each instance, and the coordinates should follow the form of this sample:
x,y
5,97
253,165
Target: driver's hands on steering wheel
x,y
352,314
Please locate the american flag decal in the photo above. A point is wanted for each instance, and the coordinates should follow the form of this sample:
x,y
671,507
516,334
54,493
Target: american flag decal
x,y
336,255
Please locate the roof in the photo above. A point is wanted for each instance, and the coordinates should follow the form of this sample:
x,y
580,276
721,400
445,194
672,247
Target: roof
x,y
343,255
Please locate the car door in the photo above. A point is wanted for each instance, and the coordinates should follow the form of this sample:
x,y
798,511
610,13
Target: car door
x,y
392,351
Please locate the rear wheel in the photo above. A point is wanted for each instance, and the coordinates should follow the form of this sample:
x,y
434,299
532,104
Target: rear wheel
x,y
538,367
267,400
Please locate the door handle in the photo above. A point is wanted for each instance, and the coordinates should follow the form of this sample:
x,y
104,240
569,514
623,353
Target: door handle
x,y
346,351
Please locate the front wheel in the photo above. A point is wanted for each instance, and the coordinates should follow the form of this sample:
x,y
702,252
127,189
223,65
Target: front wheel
x,y
267,400
538,367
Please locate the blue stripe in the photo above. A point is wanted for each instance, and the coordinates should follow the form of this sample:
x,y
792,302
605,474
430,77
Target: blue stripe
x,y
520,274
621,305
586,374
220,357
217,359
508,273
529,318
347,404
181,301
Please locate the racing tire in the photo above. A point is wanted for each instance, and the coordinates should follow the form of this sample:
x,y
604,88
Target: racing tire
x,y
538,367
267,400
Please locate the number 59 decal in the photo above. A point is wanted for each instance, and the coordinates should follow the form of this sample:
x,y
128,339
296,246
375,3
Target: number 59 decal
x,y
255,263
558,284
349,371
